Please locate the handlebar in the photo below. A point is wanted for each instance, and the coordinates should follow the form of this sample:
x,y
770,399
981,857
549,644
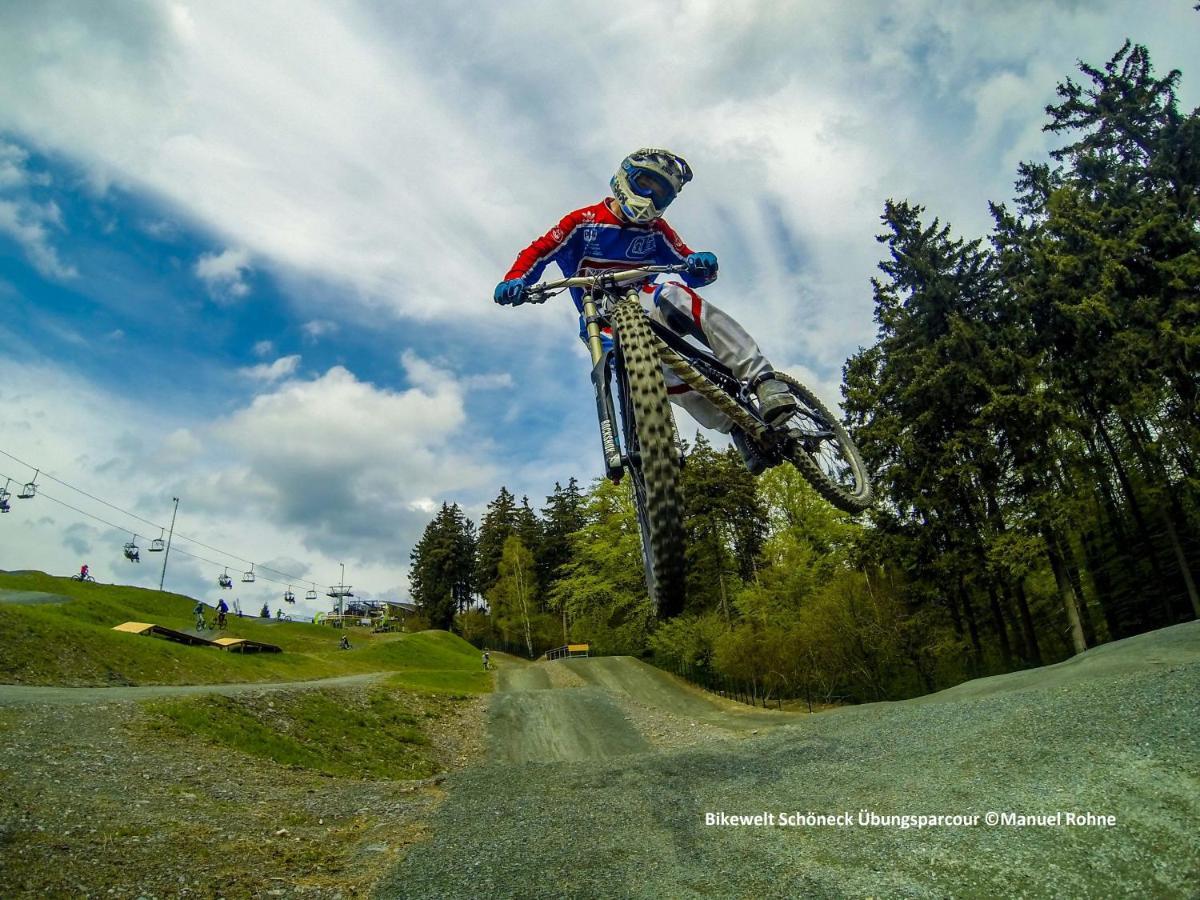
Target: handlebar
x,y
540,293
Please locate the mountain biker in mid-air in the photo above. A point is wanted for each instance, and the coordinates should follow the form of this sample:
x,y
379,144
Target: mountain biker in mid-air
x,y
627,230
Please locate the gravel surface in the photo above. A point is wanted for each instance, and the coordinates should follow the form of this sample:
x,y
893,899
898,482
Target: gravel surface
x,y
26,695
1114,733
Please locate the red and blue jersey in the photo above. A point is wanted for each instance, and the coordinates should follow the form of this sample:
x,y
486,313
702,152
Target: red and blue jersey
x,y
594,239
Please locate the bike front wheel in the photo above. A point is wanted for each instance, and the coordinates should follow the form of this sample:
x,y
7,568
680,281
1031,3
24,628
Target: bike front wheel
x,y
652,458
823,451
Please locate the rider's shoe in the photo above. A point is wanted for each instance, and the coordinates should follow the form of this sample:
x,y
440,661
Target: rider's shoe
x,y
775,400
752,457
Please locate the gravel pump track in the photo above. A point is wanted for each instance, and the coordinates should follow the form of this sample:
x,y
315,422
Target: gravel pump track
x,y
653,460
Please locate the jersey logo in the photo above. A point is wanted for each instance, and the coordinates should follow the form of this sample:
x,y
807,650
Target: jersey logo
x,y
642,245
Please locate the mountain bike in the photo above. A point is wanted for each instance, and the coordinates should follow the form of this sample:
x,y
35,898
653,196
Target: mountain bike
x,y
643,438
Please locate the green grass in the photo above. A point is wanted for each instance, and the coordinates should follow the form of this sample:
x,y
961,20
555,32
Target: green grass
x,y
372,733
73,643
443,681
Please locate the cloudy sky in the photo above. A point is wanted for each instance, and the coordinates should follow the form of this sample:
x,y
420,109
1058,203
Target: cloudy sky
x,y
247,251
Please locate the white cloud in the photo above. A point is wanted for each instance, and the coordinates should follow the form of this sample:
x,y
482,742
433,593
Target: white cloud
x,y
27,221
489,382
315,329
224,274
284,367
264,348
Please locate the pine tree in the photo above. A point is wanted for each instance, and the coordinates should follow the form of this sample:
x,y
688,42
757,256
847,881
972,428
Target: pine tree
x,y
562,516
442,571
499,523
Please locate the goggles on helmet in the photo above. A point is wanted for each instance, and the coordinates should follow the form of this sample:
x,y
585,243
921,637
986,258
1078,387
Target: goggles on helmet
x,y
647,181
650,185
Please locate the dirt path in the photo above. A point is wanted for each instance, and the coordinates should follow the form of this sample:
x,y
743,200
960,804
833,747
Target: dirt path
x,y
604,780
27,695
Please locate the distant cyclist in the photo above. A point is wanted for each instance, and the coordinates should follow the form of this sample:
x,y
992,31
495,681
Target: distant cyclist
x,y
222,609
198,612
487,660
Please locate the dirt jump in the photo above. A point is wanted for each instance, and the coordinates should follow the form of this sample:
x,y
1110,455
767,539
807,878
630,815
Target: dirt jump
x,y
606,777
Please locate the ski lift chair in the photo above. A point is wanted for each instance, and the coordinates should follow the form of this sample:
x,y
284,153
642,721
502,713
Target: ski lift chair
x,y
288,596
224,580
311,595
30,489
248,577
157,545
131,550
4,491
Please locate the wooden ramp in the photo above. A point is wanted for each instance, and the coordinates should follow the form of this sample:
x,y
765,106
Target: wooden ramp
x,y
149,628
241,645
236,645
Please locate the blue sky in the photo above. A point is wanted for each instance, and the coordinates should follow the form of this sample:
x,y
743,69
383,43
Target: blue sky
x,y
247,251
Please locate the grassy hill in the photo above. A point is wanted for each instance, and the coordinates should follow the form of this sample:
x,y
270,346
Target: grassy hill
x,y
58,631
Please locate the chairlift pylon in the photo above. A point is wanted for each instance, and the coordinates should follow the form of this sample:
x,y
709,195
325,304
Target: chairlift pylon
x,y
157,545
30,489
224,580
131,550
248,577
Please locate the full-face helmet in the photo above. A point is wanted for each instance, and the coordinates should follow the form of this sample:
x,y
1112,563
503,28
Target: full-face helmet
x,y
647,181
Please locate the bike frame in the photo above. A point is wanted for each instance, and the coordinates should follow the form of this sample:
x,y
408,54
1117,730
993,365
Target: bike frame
x,y
602,295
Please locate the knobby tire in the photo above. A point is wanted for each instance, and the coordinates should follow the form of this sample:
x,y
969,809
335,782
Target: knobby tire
x,y
653,457
852,499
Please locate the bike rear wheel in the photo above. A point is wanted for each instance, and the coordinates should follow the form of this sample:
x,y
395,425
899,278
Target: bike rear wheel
x,y
649,433
824,452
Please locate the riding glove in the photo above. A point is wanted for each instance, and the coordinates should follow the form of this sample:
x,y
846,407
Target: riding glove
x,y
511,292
701,269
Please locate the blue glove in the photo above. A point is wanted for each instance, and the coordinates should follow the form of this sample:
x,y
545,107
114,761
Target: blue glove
x,y
701,269
511,292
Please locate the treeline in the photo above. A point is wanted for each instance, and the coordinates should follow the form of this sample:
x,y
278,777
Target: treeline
x,y
1031,402
1029,415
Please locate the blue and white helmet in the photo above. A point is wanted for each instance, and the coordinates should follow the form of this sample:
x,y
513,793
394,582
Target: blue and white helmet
x,y
647,181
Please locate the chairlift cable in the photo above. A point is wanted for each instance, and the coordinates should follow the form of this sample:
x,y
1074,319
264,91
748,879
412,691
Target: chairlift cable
x,y
285,575
123,529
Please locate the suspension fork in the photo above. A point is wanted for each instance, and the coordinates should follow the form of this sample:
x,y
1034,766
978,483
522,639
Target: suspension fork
x,y
602,365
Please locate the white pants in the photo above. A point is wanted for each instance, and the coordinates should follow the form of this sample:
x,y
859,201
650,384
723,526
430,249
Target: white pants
x,y
686,313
